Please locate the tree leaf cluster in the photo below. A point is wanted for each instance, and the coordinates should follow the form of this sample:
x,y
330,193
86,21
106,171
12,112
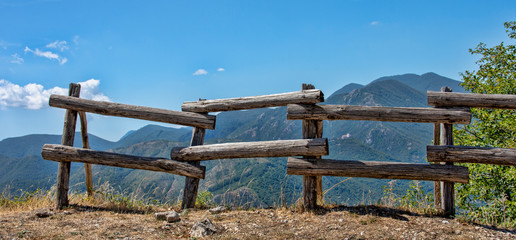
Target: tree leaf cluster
x,y
490,196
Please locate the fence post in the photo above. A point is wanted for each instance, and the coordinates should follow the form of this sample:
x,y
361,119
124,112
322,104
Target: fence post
x,y
63,173
86,144
312,185
437,185
192,184
448,191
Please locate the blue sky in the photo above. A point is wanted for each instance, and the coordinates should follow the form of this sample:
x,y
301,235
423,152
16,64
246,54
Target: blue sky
x,y
148,52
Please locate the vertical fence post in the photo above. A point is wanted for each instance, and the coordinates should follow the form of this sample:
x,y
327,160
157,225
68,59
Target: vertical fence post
x,y
86,144
437,185
448,191
63,173
312,185
192,184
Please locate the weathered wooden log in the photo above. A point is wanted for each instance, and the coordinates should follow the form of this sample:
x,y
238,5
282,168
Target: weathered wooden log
x,y
312,185
56,152
372,169
63,172
475,100
447,188
86,144
132,111
273,100
466,154
279,148
192,184
370,113
437,185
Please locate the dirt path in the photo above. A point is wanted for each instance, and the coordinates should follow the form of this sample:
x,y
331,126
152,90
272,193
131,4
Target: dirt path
x,y
339,223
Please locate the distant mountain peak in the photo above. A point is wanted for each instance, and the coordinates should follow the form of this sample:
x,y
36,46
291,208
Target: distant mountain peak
x,y
430,74
343,91
428,81
348,88
385,82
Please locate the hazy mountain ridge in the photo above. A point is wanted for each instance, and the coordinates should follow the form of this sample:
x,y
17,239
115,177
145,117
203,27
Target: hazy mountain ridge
x,y
428,81
154,132
30,145
263,180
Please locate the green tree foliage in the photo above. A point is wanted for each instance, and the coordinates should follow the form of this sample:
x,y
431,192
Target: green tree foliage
x,y
490,196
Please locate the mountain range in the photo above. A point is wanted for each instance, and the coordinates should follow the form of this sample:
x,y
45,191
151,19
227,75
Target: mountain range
x,y
248,182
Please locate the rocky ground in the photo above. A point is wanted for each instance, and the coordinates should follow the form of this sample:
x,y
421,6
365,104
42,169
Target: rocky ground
x,y
79,222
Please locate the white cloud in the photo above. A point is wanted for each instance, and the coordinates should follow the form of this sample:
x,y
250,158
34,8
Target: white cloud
x,y
90,90
46,54
5,45
221,70
200,72
16,59
34,96
61,45
374,23
76,40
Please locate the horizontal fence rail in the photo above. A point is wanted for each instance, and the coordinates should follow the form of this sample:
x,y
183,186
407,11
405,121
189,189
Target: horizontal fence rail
x,y
61,153
475,100
132,111
466,154
371,113
372,169
279,148
273,100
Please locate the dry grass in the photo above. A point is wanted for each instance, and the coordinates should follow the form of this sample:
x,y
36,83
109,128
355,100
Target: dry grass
x,y
105,197
102,218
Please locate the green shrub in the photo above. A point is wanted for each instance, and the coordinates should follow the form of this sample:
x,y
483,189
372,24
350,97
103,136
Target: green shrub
x,y
204,199
415,199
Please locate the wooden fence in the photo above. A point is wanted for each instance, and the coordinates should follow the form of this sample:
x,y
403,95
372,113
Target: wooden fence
x,y
450,108
464,154
388,170
185,161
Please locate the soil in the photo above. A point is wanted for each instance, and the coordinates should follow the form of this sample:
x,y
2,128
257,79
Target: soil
x,y
369,222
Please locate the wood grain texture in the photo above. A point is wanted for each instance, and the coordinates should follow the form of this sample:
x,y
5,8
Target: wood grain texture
x,y
474,100
447,188
56,152
314,129
310,192
372,169
369,113
273,100
312,185
132,111
279,148
86,144
192,184
63,172
437,185
467,154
